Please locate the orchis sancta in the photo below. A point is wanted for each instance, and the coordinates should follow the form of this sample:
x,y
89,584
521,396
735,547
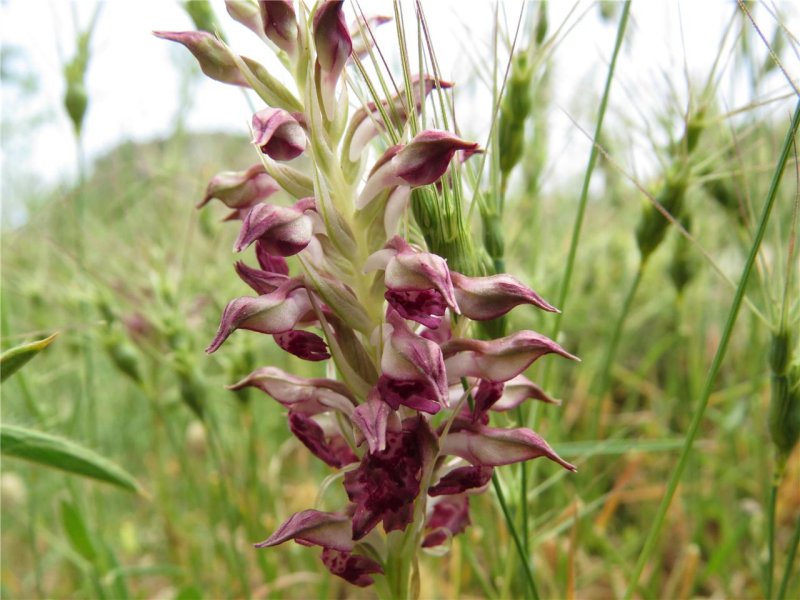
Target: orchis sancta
x,y
406,417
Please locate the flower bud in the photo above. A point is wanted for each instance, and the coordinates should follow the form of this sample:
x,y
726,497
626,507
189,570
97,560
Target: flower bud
x,y
215,60
283,230
240,189
278,134
248,14
272,313
313,528
280,24
784,411
333,44
426,157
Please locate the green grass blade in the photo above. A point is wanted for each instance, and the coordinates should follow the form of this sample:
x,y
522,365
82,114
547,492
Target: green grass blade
x,y
60,453
77,532
14,359
708,387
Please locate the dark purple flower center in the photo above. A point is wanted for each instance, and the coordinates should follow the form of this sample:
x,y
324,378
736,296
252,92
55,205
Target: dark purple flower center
x,y
333,451
355,569
386,483
423,306
414,393
303,344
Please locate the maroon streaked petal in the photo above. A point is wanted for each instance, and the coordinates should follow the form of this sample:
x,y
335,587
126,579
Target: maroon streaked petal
x,y
262,282
461,479
353,568
283,230
372,420
270,262
332,450
424,306
450,517
416,394
426,157
313,527
280,23
278,134
303,344
494,447
412,368
485,298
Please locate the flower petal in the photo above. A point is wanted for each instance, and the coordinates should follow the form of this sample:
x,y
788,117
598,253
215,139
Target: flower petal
x,y
303,344
333,44
271,313
493,447
519,389
280,23
450,517
240,189
372,420
351,567
332,450
412,369
385,485
214,59
283,230
248,14
313,527
278,134
485,298
426,157
497,360
300,394
460,480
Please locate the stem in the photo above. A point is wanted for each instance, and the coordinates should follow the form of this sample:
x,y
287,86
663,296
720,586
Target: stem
x,y
517,542
708,387
773,500
576,231
787,572
604,375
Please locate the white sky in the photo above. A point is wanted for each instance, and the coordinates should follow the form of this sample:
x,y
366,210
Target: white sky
x,y
134,79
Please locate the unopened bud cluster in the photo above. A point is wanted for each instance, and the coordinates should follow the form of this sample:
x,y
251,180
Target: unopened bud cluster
x,y
406,417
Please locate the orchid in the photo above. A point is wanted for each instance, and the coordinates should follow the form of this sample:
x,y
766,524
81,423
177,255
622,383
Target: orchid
x,y
406,417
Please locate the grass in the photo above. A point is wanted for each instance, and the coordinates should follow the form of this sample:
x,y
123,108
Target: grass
x,y
672,497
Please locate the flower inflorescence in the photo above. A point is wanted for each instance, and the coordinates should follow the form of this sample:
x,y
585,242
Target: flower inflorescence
x,y
407,417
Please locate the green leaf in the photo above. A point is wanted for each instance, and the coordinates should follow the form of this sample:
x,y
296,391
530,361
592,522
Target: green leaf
x,y
12,360
61,453
189,593
77,532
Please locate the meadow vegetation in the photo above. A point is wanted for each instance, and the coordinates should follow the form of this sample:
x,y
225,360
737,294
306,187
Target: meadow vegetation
x,y
672,376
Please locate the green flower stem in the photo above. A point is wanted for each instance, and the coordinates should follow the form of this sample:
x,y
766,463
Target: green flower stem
x,y
524,558
787,572
603,379
722,348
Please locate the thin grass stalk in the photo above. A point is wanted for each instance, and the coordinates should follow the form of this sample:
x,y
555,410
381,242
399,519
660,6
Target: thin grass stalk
x,y
515,535
787,572
563,291
604,375
769,575
722,348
